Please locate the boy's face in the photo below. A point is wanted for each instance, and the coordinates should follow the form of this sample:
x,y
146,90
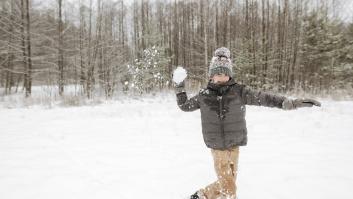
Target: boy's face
x,y
220,78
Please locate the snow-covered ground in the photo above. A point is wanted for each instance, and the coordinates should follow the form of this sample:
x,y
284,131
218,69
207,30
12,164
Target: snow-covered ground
x,y
132,149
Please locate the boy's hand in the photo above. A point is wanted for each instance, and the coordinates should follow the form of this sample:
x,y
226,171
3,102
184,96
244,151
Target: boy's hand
x,y
299,103
305,103
180,87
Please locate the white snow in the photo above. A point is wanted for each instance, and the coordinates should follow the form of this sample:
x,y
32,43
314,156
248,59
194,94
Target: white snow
x,y
131,149
179,74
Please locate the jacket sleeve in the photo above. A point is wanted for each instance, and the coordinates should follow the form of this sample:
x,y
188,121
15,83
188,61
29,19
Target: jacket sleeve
x,y
259,98
186,104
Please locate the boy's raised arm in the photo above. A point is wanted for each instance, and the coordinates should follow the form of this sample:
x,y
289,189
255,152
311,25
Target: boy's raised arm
x,y
184,103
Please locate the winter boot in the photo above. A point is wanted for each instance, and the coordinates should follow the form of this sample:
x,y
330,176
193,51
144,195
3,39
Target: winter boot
x,y
197,195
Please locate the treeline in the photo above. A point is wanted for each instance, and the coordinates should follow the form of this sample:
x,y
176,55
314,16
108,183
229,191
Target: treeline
x,y
110,46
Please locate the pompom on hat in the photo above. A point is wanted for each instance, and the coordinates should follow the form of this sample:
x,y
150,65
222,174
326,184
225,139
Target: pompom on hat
x,y
221,63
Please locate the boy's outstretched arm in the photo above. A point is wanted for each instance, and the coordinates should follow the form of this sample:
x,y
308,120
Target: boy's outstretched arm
x,y
259,98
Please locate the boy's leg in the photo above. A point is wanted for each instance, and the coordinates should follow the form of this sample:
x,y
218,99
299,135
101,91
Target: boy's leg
x,y
226,164
234,158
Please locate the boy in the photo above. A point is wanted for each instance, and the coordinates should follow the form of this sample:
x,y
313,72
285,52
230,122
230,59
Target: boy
x,y
222,106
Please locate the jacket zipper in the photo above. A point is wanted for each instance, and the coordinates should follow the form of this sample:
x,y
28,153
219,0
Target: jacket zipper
x,y
221,117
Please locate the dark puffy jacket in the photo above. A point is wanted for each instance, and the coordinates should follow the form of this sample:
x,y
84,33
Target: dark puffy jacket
x,y
223,111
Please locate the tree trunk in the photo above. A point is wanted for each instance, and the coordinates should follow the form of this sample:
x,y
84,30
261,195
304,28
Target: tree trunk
x,y
28,70
90,64
10,54
60,50
82,38
23,43
206,39
264,45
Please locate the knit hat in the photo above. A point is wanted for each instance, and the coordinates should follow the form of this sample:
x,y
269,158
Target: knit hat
x,y
221,63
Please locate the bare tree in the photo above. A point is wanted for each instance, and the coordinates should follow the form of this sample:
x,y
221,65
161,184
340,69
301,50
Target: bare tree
x,y
60,50
26,45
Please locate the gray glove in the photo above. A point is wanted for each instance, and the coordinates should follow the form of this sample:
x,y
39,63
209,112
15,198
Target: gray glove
x,y
289,104
179,88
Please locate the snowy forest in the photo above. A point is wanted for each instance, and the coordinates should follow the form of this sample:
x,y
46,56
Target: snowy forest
x,y
94,103
109,47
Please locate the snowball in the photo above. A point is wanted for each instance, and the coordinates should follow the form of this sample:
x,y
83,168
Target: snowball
x,y
179,74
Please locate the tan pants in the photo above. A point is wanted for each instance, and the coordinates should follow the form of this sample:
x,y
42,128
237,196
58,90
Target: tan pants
x,y
226,165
